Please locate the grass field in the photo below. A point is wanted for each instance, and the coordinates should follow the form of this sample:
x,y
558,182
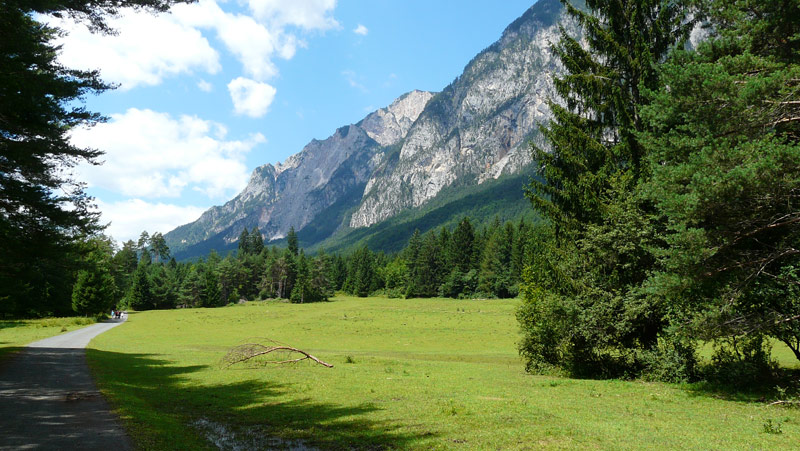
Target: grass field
x,y
422,374
15,334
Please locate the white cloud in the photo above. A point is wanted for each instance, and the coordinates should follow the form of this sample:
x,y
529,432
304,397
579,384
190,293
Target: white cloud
x,y
152,155
131,217
147,49
251,98
352,80
204,86
306,14
361,29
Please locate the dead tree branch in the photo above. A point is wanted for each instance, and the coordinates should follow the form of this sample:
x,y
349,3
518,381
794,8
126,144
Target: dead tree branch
x,y
247,351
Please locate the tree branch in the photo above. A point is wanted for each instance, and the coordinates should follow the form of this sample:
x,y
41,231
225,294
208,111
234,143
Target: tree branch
x,y
248,351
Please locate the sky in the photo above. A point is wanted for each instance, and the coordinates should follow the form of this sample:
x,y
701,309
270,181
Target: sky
x,y
211,90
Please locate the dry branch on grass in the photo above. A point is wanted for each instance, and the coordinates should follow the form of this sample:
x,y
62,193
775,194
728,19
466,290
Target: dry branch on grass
x,y
247,351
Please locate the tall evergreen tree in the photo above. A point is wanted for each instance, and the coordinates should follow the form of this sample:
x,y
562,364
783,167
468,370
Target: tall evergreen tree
x,y
95,290
591,308
141,296
725,140
361,273
256,241
461,251
292,243
244,242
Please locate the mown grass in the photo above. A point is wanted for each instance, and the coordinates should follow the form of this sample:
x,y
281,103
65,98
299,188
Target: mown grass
x,y
14,334
421,374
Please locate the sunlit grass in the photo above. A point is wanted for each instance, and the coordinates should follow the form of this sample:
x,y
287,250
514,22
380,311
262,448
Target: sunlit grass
x,y
17,333
424,374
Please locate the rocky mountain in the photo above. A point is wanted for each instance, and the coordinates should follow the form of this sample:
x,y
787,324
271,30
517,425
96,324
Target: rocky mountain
x,y
292,193
476,129
401,157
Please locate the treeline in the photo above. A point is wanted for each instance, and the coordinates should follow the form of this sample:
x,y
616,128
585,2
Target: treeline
x,y
462,262
670,186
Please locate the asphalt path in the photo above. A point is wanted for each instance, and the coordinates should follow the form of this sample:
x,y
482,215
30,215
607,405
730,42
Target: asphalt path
x,y
48,400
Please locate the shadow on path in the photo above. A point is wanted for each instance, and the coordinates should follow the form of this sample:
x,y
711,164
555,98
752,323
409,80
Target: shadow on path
x,y
49,401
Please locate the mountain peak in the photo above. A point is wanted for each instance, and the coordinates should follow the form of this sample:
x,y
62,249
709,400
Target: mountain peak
x,y
387,126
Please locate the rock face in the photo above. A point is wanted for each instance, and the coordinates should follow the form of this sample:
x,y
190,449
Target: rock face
x,y
478,127
292,193
400,157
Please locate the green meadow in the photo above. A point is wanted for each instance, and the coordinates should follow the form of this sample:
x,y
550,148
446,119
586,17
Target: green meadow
x,y
410,374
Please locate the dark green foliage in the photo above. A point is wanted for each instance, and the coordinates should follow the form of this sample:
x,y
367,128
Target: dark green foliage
x,y
292,244
361,275
211,295
584,308
725,140
43,212
141,297
94,290
244,242
461,254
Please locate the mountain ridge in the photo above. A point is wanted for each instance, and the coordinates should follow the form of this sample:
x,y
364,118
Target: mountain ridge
x,y
400,157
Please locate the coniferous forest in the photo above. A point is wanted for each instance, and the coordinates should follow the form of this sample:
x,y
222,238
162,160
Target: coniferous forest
x,y
668,191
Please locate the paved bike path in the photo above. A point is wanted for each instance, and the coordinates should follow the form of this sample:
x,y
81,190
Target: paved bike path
x,y
49,401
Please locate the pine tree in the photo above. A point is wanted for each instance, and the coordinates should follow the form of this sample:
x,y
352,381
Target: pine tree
x,y
725,140
361,273
94,290
461,251
256,241
590,177
141,296
302,292
244,242
212,294
292,242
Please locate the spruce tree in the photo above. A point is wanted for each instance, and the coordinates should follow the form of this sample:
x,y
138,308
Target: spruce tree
x,y
244,243
589,306
725,139
256,241
141,296
292,243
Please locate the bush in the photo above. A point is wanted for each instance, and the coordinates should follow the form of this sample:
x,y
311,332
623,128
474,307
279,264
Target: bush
x,y
742,362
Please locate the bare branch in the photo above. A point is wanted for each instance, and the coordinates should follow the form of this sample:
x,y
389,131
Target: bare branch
x,y
248,351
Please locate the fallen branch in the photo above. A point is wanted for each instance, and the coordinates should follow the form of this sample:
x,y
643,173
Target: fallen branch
x,y
785,403
249,351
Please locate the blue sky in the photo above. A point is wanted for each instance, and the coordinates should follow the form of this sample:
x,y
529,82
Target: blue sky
x,y
214,89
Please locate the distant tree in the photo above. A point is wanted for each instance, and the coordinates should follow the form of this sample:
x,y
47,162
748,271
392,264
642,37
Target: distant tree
x,y
143,244
495,270
212,294
244,244
141,296
256,241
292,243
159,248
361,278
94,290
302,291
461,251
164,290
411,255
429,268
191,288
